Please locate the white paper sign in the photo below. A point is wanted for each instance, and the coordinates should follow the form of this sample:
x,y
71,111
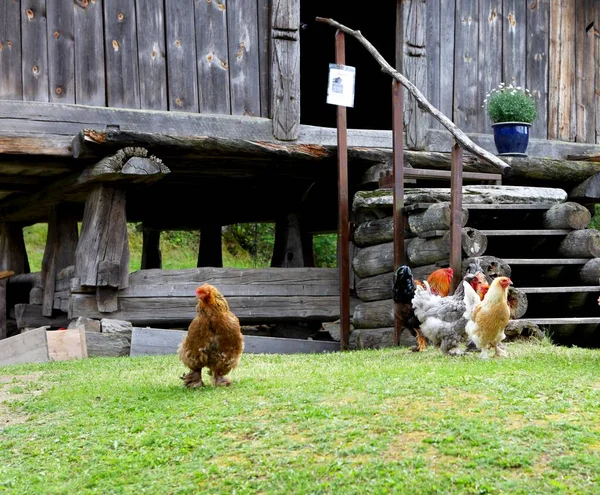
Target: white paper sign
x,y
340,90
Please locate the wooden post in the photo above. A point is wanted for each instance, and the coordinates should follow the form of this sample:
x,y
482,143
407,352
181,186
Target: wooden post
x,y
285,69
456,214
343,217
102,256
13,257
210,252
151,255
398,171
61,244
287,250
411,60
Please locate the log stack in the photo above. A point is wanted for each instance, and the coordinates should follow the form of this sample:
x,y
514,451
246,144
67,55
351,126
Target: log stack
x,y
427,244
427,224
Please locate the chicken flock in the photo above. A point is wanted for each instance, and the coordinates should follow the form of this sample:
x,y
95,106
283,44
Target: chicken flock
x,y
477,310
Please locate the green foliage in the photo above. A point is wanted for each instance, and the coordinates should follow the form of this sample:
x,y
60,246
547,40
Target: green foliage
x,y
252,242
510,104
247,245
364,422
35,243
595,223
325,250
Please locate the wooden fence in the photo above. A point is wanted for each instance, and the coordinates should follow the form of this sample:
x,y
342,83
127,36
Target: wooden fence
x,y
185,55
552,47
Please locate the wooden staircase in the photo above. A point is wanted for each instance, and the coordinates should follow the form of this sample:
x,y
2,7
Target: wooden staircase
x,y
557,299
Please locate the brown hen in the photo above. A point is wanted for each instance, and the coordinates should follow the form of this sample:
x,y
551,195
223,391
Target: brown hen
x,y
214,340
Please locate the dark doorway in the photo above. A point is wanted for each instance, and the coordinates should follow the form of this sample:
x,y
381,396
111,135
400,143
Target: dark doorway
x,y
373,103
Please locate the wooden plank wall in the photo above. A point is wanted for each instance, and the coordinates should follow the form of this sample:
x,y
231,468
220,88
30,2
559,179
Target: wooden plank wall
x,y
180,55
552,48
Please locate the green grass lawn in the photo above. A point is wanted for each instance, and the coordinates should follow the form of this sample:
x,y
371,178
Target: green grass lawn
x,y
387,421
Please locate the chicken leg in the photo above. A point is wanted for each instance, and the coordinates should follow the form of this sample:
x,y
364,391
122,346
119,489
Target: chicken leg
x,y
221,381
193,379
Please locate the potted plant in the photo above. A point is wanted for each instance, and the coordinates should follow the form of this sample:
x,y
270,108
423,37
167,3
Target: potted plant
x,y
511,109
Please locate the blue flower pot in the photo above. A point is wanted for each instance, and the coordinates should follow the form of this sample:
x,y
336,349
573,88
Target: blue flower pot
x,y
511,138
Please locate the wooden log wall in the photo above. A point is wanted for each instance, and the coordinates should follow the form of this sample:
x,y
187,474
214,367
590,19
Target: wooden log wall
x,y
551,48
181,55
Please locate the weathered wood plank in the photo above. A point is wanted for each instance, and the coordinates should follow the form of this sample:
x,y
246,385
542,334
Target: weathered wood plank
x,y
35,50
490,52
546,261
181,54
173,123
61,51
11,82
538,26
242,31
514,39
59,253
30,316
447,69
287,249
213,57
122,71
104,239
177,311
28,347
152,54
527,232
156,341
585,84
89,54
560,290
264,56
434,62
3,310
413,64
466,61
561,116
286,85
301,282
561,321
13,255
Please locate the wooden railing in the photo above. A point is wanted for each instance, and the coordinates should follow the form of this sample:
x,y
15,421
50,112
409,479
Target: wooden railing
x,y
461,141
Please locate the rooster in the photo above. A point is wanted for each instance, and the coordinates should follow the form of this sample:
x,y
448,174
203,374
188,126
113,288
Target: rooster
x,y
487,321
403,291
214,340
442,319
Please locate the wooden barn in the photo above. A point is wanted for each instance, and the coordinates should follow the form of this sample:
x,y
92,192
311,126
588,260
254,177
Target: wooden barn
x,y
194,115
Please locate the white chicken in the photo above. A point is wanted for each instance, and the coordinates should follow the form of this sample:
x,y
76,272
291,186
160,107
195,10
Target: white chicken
x,y
442,319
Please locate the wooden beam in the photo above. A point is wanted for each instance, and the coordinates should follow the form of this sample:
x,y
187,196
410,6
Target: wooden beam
x,y
411,61
102,255
61,244
287,249
285,69
157,341
128,165
456,215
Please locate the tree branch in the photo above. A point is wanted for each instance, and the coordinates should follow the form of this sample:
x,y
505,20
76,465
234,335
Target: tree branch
x,y
459,135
